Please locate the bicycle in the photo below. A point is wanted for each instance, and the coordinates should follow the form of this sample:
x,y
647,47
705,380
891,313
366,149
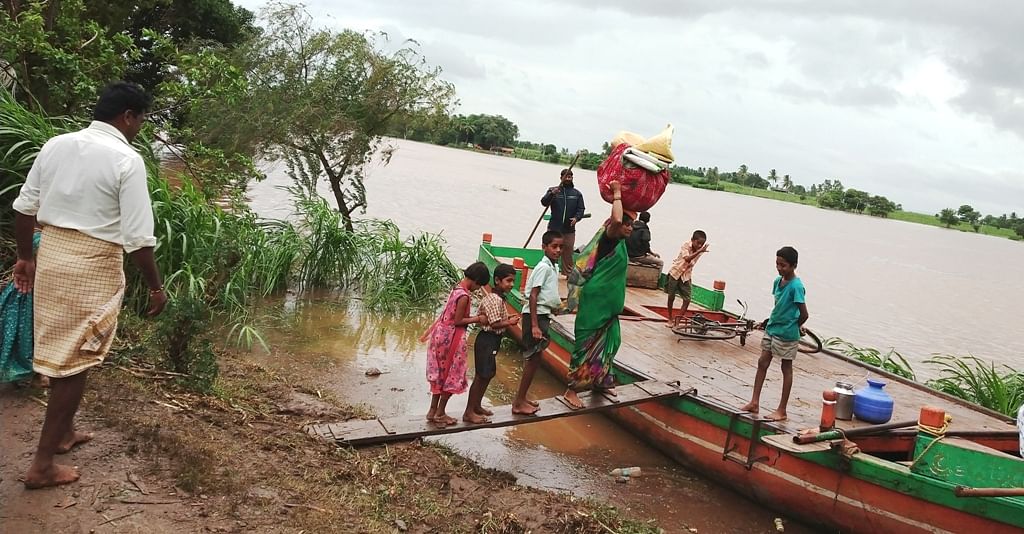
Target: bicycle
x,y
701,328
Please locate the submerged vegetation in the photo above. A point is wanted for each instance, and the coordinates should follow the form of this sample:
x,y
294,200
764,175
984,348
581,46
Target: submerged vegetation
x,y
998,388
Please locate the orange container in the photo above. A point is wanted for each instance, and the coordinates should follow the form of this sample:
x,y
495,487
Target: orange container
x,y
487,238
828,410
932,416
719,285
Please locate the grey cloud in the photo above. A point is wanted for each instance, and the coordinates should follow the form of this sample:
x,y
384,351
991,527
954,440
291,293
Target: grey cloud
x,y
856,95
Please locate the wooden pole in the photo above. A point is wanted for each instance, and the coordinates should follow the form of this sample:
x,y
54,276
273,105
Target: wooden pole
x,y
963,491
543,213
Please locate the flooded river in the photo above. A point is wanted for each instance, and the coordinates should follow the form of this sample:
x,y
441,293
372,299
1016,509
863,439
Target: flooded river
x,y
874,282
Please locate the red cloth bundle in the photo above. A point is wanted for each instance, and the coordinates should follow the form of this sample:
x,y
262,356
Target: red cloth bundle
x,y
641,188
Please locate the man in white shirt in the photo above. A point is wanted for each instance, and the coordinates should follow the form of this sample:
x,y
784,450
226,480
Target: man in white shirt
x,y
88,191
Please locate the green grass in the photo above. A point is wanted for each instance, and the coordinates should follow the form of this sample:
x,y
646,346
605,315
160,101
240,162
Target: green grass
x,y
931,220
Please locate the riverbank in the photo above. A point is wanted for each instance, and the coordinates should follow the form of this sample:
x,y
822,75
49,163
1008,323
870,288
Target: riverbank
x,y
166,460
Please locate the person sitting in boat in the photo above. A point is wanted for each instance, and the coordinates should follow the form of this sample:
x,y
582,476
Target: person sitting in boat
x,y
567,209
597,289
638,246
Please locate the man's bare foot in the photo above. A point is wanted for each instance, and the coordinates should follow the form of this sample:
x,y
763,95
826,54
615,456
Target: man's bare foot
x,y
56,475
533,403
609,391
751,407
777,415
524,408
480,410
474,418
573,399
430,415
40,381
72,441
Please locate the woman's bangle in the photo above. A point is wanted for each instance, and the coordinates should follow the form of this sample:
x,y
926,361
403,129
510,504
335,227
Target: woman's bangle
x,y
616,198
157,290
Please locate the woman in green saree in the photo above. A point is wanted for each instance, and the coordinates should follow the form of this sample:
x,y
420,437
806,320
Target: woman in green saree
x,y
597,287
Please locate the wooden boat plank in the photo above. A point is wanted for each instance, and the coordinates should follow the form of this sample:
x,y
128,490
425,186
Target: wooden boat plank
x,y
368,432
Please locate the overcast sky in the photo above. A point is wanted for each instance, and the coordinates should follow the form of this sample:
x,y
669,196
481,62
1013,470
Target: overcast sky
x,y
921,101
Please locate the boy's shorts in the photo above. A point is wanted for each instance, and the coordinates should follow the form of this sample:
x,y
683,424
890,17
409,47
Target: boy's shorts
x,y
784,350
682,287
485,352
531,345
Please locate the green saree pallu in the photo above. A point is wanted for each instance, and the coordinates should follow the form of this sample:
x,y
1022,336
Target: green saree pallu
x,y
16,328
597,290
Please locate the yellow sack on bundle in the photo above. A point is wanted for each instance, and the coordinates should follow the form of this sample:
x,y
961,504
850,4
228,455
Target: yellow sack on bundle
x,y
659,146
629,138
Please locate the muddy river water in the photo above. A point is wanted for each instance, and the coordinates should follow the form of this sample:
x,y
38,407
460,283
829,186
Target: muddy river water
x,y
874,282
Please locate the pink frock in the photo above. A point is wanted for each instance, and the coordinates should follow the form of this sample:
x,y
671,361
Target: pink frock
x,y
446,351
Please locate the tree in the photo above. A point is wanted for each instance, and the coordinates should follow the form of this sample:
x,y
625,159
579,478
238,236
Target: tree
x,y
831,200
787,183
549,149
181,22
880,206
494,130
322,100
59,57
855,200
712,175
948,217
967,214
773,177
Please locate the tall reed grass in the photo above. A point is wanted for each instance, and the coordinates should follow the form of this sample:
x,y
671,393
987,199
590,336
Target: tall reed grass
x,y
22,134
389,272
892,361
999,388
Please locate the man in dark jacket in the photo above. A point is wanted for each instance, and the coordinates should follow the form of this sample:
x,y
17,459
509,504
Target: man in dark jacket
x,y
566,203
638,245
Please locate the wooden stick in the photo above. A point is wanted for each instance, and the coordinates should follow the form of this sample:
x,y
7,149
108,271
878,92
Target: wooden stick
x,y
964,491
119,517
543,213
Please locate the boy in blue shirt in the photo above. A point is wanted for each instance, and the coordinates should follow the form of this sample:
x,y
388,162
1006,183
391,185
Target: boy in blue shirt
x,y
782,331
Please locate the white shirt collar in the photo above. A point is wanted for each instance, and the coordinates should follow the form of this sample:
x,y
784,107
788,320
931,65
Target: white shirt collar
x,y
109,129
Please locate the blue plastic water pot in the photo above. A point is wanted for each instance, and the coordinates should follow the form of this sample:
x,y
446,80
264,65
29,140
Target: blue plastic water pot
x,y
872,404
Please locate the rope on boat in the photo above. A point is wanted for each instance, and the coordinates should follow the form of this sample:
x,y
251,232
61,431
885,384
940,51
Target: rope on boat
x,y
938,431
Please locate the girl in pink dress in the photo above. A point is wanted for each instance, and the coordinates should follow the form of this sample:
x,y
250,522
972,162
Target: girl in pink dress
x,y
446,351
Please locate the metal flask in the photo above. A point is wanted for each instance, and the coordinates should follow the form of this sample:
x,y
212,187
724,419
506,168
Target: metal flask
x,y
844,400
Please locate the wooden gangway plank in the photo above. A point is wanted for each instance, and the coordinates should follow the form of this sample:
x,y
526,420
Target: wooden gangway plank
x,y
373,431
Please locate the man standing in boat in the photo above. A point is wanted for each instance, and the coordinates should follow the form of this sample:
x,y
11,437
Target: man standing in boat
x,y
566,203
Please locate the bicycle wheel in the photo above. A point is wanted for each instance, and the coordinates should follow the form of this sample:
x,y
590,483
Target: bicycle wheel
x,y
809,343
704,332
